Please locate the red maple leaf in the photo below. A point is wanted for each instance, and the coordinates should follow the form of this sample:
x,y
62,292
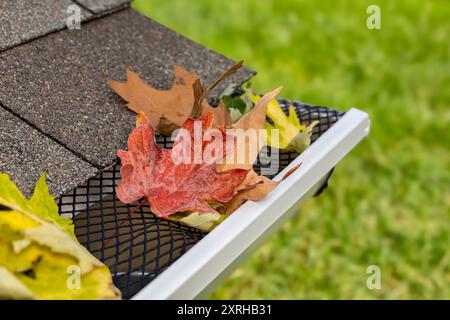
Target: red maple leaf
x,y
170,187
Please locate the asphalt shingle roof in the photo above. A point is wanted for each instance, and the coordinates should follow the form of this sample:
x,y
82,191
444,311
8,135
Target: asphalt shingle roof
x,y
23,20
25,153
57,83
99,6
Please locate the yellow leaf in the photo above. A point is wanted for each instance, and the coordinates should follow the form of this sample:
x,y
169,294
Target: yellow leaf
x,y
39,251
11,287
60,242
202,221
291,134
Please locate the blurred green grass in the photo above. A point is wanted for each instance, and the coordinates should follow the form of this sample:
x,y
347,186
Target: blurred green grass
x,y
389,201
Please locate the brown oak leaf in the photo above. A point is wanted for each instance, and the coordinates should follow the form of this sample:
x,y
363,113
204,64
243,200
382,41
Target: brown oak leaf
x,y
168,109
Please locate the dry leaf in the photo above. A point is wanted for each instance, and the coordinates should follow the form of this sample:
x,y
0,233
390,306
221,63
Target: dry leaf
x,y
221,113
254,187
168,109
254,191
253,120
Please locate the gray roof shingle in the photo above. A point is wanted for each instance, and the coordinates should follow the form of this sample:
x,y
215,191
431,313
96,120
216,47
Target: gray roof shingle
x,y
99,6
59,82
23,20
25,153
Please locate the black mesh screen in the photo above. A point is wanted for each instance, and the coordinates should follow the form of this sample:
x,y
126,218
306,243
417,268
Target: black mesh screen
x,y
134,243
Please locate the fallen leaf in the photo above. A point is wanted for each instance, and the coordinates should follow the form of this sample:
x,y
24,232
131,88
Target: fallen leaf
x,y
168,109
37,246
59,241
221,114
292,135
256,192
237,106
254,187
202,221
173,105
251,179
44,206
12,288
257,188
41,204
149,171
254,120
235,103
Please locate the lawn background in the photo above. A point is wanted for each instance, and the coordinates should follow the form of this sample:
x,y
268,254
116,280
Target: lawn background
x,y
389,200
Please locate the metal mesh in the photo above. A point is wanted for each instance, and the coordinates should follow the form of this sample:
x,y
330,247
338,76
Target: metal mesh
x,y
134,243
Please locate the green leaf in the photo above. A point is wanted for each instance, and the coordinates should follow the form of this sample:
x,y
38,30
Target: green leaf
x,y
234,103
238,106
